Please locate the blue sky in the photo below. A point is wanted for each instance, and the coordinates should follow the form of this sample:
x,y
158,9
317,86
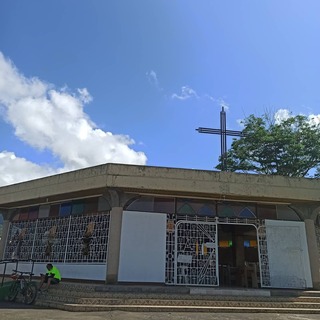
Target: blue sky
x,y
90,82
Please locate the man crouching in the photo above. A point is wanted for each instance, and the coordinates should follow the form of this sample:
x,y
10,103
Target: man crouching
x,y
51,277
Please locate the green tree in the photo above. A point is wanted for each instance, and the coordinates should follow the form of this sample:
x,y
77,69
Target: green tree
x,y
289,148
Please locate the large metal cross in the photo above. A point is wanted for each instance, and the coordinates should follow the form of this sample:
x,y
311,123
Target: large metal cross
x,y
223,132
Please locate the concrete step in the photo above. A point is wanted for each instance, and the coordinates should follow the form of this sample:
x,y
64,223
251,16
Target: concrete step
x,y
87,297
59,294
214,303
152,308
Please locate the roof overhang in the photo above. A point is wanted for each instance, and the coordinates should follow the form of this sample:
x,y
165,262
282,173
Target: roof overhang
x,y
162,181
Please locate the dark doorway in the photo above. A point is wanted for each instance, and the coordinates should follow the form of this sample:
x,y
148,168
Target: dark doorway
x,y
238,255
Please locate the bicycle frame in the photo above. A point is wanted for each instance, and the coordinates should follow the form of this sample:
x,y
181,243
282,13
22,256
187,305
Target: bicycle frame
x,y
23,286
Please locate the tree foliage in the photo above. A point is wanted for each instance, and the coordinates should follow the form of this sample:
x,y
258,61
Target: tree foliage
x,y
288,148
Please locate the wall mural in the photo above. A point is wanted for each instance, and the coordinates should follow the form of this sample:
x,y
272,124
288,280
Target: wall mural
x,y
87,238
48,238
73,239
17,240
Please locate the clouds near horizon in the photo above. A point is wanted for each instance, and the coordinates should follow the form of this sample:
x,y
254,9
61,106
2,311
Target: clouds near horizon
x,y
53,119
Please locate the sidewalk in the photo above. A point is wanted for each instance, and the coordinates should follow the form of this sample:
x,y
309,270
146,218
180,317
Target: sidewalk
x,y
11,311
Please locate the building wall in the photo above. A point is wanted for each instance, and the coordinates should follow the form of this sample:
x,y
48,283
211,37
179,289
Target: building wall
x,y
62,241
143,247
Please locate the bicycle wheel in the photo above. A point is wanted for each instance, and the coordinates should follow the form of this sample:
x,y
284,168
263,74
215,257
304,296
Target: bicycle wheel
x,y
13,291
30,293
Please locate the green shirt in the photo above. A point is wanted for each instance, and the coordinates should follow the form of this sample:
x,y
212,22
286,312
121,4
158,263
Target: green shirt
x,y
55,272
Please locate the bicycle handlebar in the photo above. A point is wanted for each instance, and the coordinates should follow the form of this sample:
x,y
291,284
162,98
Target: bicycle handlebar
x,y
23,272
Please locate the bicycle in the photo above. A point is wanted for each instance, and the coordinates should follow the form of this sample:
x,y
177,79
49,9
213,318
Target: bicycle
x,y
23,286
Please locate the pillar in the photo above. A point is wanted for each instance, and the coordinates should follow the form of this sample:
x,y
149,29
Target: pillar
x,y
114,245
313,253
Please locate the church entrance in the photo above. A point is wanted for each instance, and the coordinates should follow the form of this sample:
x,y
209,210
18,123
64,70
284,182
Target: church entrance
x,y
216,254
238,255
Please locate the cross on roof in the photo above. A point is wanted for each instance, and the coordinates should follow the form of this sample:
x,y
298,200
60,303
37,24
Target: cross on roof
x,y
223,132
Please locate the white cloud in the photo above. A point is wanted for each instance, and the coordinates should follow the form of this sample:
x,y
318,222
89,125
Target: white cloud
x,y
84,95
186,93
48,118
314,119
223,104
153,79
14,169
282,115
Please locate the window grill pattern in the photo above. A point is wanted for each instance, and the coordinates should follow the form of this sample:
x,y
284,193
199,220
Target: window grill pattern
x,y
264,259
171,257
73,239
172,220
196,253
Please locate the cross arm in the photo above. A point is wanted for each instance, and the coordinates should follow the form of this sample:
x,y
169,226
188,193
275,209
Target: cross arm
x,y
232,133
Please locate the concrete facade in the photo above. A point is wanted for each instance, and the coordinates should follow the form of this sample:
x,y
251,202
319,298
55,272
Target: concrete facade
x,y
119,183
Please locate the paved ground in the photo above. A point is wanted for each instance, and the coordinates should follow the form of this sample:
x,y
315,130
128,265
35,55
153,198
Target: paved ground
x,y
11,311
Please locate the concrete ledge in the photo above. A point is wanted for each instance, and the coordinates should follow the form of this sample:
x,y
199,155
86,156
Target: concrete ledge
x,y
142,289
230,292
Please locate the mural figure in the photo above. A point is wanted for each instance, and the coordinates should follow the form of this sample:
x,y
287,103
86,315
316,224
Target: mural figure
x,y
49,239
17,239
87,237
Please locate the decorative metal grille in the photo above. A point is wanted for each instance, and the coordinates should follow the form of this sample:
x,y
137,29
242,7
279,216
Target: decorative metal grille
x,y
170,243
74,239
172,220
196,253
197,236
186,241
264,259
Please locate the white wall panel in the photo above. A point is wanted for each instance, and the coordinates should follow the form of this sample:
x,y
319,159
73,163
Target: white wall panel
x,y
288,254
143,247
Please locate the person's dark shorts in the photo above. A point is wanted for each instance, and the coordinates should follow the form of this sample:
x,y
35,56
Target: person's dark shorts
x,y
53,280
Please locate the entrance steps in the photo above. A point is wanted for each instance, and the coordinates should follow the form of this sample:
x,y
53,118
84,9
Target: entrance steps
x,y
87,297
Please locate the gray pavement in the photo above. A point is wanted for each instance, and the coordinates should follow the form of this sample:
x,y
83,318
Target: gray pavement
x,y
12,311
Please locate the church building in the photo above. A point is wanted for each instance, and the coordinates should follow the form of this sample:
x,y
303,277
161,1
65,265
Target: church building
x,y
118,223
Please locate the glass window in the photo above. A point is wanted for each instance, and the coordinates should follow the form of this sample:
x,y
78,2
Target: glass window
x,y
65,209
237,210
165,205
54,210
77,207
23,214
103,204
144,204
196,207
91,205
225,210
247,213
286,213
44,211
33,213
151,204
267,212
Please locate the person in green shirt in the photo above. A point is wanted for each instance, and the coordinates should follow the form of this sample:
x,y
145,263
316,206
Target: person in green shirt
x,y
52,276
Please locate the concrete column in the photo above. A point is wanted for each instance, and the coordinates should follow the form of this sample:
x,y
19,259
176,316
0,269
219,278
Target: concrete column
x,y
114,245
5,230
313,253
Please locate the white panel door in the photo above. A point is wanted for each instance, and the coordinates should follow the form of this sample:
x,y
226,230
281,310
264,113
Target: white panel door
x,y
288,256
143,247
